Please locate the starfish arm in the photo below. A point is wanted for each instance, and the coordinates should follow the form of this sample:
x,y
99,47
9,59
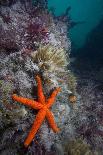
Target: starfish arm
x,y
28,102
50,118
41,97
36,125
51,100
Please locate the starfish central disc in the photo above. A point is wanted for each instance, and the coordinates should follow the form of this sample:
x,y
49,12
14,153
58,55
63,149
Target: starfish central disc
x,y
43,106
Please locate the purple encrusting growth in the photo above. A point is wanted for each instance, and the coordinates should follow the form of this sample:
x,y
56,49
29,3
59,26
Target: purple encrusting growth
x,y
20,26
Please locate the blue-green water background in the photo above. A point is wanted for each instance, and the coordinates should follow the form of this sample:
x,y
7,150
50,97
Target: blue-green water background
x,y
90,11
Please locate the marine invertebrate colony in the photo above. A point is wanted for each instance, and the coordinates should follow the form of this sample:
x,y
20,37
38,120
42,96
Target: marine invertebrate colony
x,y
43,106
52,63
49,54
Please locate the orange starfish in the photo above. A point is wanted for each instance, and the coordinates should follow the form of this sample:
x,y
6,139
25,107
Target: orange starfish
x,y
43,106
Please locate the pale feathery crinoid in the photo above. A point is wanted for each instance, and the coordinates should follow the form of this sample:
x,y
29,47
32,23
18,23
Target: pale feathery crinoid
x,y
50,58
51,61
53,65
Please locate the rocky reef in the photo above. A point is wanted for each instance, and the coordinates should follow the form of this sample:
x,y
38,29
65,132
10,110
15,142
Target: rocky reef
x,y
34,42
31,43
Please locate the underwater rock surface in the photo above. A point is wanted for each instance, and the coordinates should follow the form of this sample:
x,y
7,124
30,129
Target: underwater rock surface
x,y
33,42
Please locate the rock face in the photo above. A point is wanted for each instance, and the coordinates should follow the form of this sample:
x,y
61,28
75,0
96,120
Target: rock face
x,y
90,89
31,43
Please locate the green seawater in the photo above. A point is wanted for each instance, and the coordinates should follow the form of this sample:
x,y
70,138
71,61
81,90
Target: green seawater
x,y
90,11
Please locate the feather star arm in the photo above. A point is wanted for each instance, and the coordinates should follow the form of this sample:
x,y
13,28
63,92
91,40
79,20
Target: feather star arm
x,y
51,100
36,125
28,102
51,121
41,97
